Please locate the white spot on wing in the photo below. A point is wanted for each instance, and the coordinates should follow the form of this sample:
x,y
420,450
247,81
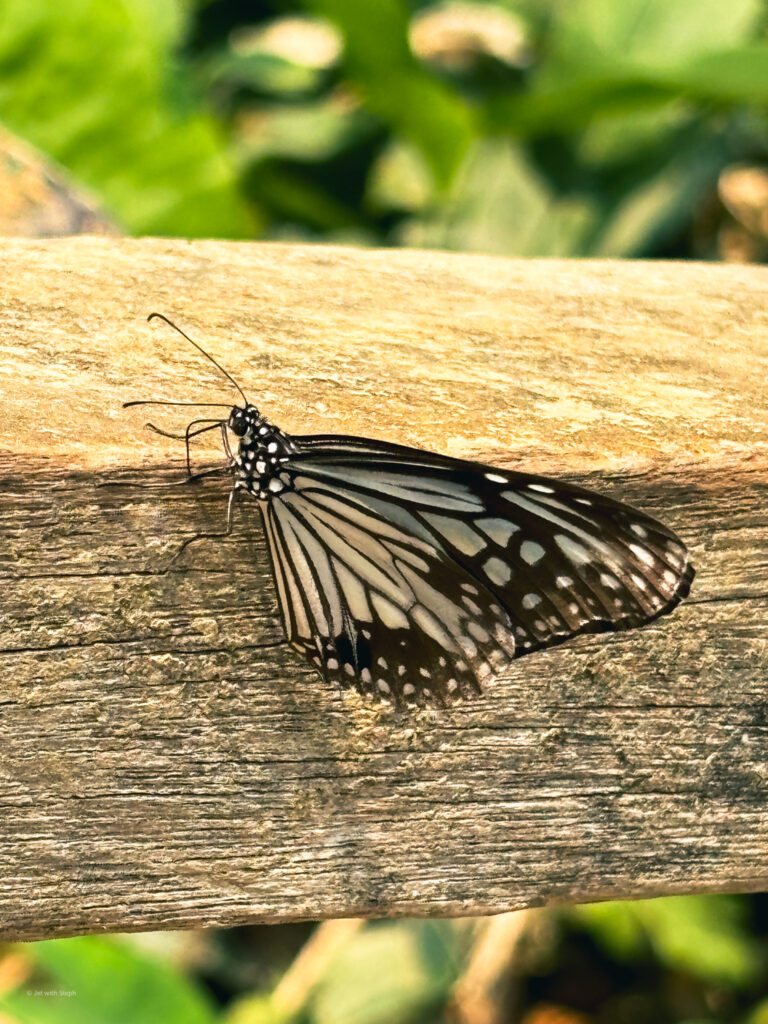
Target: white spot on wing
x,y
531,600
497,571
563,582
432,627
495,478
572,550
542,488
642,554
531,552
478,632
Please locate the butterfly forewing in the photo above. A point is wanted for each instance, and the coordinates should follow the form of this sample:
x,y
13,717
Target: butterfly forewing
x,y
404,573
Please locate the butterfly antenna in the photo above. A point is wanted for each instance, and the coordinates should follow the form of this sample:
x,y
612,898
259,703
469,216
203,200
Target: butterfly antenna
x,y
230,378
196,405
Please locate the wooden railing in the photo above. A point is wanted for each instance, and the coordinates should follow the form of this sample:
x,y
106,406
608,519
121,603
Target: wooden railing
x,y
166,761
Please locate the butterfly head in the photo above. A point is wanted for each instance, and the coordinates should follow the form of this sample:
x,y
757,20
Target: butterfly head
x,y
244,418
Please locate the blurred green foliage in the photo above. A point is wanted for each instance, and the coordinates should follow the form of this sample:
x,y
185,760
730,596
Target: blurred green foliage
x,y
705,936
94,980
520,127
97,86
400,971
692,960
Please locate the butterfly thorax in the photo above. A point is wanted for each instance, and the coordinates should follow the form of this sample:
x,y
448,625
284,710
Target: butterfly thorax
x,y
262,449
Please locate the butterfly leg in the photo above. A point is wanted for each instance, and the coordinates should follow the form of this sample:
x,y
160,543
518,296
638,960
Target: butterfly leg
x,y
225,441
188,434
217,535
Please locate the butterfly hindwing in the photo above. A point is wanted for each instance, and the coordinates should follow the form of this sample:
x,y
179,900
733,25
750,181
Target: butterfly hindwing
x,y
377,607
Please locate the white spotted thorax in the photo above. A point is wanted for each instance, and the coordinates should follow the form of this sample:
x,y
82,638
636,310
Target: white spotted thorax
x,y
414,577
262,450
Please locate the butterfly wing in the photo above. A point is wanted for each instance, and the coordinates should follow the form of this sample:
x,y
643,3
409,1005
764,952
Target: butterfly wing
x,y
370,598
400,572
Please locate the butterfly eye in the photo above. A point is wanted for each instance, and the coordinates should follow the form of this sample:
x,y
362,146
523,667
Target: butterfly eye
x,y
238,423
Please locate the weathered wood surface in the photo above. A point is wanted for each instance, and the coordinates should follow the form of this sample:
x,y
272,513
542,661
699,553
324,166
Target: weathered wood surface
x,y
166,761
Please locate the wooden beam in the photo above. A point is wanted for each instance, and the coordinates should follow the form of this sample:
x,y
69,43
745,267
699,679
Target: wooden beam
x,y
168,762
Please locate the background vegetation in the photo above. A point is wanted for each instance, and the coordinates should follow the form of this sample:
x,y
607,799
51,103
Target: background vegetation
x,y
520,127
693,960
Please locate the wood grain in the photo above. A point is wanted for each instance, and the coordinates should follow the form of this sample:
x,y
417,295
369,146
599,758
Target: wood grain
x,y
168,762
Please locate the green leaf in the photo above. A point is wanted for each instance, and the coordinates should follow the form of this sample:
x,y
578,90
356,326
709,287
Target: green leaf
x,y
95,86
303,131
615,926
415,104
499,204
724,77
758,1014
393,973
254,1009
647,33
399,180
738,75
91,980
655,198
704,935
298,200
263,72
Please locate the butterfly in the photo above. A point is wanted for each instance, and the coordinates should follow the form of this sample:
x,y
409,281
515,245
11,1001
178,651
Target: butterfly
x,y
415,577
